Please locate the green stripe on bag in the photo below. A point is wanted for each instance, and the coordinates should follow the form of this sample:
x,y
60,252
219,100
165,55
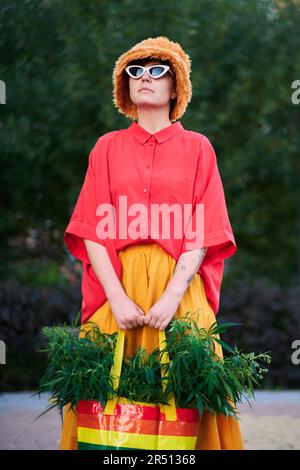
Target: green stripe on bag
x,y
87,446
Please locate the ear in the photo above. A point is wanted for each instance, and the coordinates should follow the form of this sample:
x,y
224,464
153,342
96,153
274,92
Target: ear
x,y
174,94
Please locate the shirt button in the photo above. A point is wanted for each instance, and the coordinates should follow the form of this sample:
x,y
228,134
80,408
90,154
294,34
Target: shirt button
x,y
148,166
145,190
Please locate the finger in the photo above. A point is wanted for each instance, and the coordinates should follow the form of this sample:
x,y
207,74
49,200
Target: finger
x,y
153,322
139,309
149,320
163,326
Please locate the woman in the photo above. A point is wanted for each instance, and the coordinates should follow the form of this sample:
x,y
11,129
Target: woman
x,y
139,273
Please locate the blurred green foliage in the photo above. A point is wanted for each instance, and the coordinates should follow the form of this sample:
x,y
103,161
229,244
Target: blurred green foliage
x,y
57,58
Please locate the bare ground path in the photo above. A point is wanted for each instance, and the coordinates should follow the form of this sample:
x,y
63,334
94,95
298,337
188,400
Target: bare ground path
x,y
273,422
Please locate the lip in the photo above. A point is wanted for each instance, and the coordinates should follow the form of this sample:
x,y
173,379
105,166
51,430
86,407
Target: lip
x,y
145,89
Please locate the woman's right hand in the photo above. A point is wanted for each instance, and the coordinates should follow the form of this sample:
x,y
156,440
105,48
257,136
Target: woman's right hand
x,y
127,314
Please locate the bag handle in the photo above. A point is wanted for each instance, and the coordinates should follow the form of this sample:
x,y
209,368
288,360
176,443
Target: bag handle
x,y
170,408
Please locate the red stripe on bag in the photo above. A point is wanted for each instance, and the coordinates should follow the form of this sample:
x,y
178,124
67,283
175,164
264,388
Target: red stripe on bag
x,y
137,426
92,407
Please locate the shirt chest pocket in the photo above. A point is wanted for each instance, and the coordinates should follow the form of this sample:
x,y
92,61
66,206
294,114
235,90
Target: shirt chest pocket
x,y
180,189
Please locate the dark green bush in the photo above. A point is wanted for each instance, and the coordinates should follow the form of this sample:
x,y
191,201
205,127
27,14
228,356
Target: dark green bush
x,y
270,317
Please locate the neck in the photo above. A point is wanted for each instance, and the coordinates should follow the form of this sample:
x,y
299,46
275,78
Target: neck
x,y
153,120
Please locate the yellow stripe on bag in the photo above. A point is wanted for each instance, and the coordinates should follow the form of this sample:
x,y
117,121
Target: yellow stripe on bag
x,y
136,441
115,373
170,408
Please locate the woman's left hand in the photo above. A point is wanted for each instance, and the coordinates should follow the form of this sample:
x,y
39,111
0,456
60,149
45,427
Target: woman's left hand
x,y
162,312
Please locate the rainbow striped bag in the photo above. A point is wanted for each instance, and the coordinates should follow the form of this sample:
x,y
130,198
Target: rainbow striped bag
x,y
126,424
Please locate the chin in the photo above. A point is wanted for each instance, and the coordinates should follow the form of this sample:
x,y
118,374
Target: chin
x,y
145,102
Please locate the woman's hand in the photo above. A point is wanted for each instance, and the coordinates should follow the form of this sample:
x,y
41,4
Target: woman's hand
x,y
127,314
162,312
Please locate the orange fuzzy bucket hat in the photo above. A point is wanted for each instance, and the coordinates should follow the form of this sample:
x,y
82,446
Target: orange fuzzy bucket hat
x,y
154,48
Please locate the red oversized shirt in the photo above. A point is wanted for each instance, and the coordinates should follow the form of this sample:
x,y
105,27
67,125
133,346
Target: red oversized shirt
x,y
173,166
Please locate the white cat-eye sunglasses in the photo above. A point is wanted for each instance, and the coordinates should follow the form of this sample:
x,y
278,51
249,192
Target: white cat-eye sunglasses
x,y
155,71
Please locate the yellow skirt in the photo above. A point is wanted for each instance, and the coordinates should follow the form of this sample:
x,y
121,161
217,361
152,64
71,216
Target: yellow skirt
x,y
146,271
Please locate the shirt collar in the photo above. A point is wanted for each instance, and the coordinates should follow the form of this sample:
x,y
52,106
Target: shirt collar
x,y
161,136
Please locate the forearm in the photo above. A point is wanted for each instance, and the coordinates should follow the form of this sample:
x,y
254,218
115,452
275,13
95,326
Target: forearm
x,y
186,267
103,268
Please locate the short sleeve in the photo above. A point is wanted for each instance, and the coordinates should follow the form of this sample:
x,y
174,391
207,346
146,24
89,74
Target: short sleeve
x,y
83,222
214,224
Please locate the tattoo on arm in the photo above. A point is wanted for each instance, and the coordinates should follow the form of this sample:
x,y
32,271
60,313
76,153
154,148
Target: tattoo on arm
x,y
180,264
200,259
201,256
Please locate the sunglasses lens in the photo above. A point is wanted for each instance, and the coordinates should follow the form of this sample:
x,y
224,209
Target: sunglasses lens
x,y
136,71
156,71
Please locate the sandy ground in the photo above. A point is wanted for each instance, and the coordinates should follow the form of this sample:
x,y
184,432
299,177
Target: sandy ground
x,y
272,422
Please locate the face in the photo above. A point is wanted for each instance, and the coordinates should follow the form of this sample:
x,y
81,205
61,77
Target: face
x,y
160,90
